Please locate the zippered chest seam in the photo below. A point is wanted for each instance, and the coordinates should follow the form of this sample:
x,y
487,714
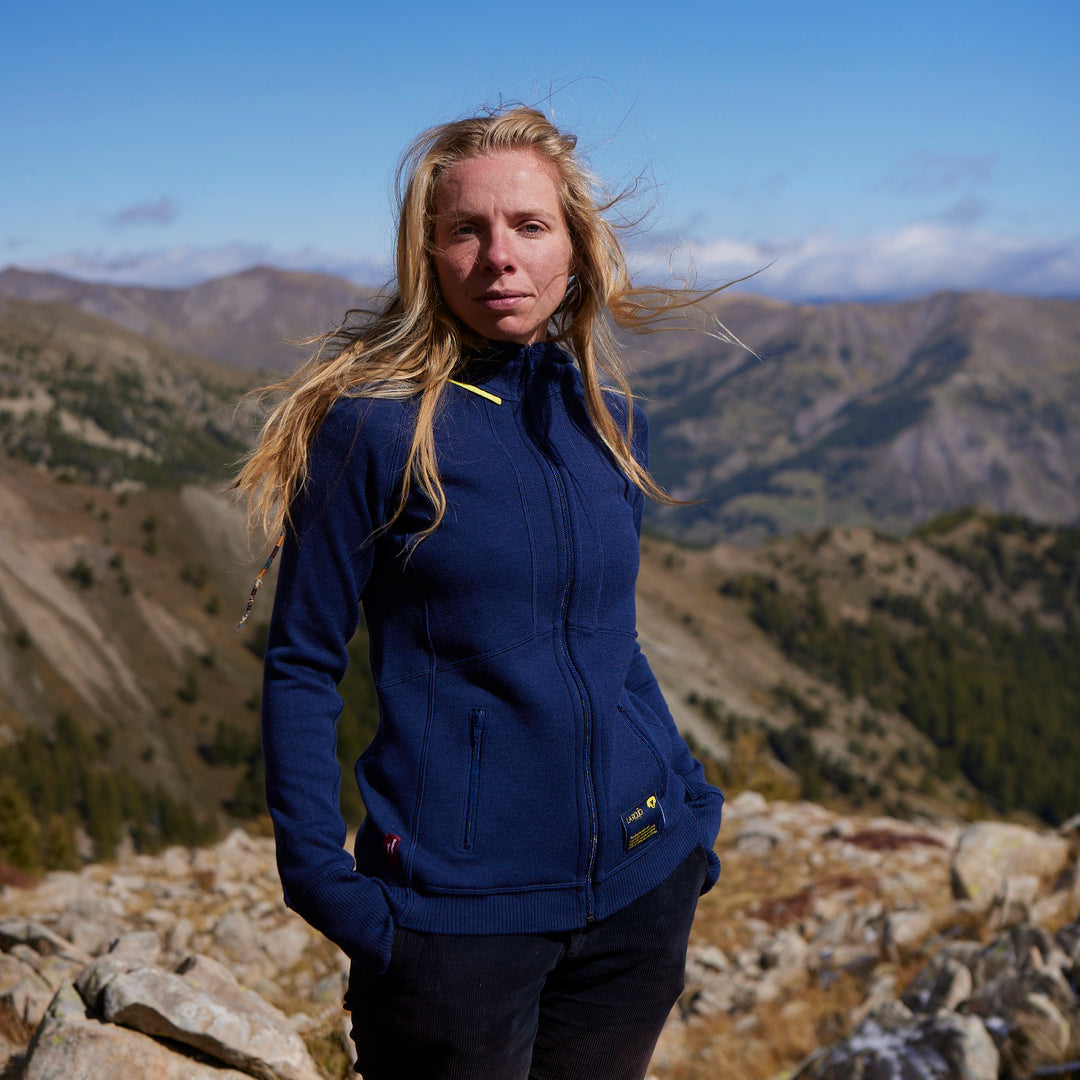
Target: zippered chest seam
x,y
586,712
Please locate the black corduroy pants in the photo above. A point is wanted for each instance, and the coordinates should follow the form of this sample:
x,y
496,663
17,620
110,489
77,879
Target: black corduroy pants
x,y
584,1005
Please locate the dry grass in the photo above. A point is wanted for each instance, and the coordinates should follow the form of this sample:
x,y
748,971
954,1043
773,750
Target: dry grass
x,y
328,1052
13,1029
775,1038
770,1042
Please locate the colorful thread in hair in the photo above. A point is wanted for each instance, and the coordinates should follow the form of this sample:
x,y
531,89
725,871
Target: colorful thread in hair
x,y
258,581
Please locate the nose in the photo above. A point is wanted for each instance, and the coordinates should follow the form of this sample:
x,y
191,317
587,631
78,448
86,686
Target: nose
x,y
497,255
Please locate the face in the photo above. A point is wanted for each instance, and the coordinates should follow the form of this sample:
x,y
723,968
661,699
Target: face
x,y
502,249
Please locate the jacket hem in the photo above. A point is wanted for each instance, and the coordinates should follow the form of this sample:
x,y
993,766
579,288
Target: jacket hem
x,y
538,910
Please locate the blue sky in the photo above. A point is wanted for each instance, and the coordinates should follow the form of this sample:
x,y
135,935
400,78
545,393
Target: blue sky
x,y
862,150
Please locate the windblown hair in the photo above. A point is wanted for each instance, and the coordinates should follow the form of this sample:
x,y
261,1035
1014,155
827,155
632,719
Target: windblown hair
x,y
412,344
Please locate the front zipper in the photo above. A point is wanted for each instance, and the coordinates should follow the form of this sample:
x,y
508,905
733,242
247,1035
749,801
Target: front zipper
x,y
590,794
476,740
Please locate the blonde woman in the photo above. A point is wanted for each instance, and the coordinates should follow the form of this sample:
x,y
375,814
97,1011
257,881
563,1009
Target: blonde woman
x,y
537,832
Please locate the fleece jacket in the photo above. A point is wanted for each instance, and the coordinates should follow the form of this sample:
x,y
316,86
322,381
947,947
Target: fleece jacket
x,y
526,775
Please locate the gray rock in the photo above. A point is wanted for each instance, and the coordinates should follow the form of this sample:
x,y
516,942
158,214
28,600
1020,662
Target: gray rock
x,y
92,980
70,1045
758,838
286,944
906,929
787,952
24,994
54,969
39,938
235,934
943,984
230,1023
141,948
988,853
892,1044
1068,939
178,937
91,921
1014,900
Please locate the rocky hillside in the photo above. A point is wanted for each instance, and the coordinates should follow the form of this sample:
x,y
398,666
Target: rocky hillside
x,y
833,946
125,694
88,400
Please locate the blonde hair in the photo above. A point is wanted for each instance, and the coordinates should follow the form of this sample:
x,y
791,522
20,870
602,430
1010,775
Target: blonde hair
x,y
411,345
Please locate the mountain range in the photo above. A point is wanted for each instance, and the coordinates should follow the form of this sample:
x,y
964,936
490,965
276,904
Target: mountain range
x,y
880,414
846,661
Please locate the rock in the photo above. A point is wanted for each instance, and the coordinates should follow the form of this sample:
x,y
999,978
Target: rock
x,y
988,853
758,838
906,929
39,938
178,937
746,803
140,948
91,921
92,980
230,1023
286,944
837,929
70,1045
709,957
206,973
1055,908
1014,900
24,994
892,1044
235,934
1068,940
943,984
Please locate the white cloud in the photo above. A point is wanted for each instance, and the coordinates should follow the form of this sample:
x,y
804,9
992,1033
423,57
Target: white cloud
x,y
910,261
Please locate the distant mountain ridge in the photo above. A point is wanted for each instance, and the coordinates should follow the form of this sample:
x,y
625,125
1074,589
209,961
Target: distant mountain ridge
x,y
847,413
875,414
246,319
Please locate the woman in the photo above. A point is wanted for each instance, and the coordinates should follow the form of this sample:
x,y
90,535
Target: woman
x,y
537,833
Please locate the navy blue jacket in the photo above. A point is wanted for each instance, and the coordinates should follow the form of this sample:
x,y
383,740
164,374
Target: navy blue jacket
x,y
526,775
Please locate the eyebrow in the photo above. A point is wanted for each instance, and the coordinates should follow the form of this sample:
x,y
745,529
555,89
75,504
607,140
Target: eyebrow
x,y
525,212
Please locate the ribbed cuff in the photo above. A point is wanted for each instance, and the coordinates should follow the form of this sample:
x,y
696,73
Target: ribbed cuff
x,y
353,912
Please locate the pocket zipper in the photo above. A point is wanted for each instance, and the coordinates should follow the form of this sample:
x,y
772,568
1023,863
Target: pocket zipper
x,y
476,738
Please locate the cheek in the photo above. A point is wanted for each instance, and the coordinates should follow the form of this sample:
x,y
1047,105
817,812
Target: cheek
x,y
559,269
451,272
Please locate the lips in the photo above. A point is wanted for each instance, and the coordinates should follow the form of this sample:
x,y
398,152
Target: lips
x,y
500,301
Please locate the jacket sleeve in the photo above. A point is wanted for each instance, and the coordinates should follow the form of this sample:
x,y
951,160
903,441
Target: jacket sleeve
x,y
640,681
325,563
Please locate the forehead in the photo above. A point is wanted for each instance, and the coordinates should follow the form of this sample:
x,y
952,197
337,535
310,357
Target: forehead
x,y
511,179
